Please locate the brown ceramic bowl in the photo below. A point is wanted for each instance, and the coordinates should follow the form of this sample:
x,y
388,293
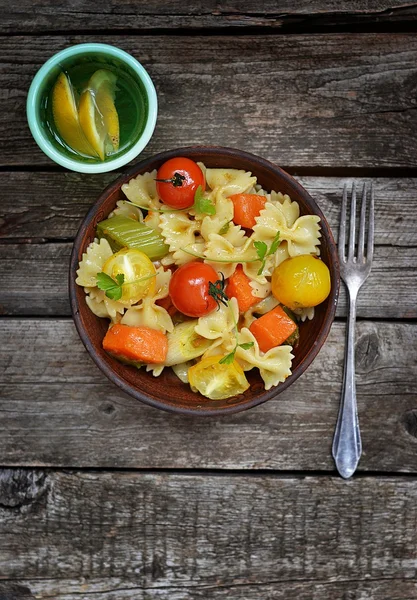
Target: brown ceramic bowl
x,y
167,391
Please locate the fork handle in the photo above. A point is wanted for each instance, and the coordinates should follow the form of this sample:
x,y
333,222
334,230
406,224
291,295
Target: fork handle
x,y
347,445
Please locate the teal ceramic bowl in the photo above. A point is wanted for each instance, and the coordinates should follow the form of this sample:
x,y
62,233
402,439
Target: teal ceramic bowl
x,y
139,123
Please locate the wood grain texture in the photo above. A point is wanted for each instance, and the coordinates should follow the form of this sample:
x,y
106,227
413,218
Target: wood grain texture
x,y
37,282
50,206
111,589
159,536
278,14
57,409
328,101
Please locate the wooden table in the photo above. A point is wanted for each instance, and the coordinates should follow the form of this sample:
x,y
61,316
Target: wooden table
x,y
103,498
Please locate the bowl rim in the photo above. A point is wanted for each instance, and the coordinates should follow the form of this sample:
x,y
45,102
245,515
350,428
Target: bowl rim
x,y
251,402
33,100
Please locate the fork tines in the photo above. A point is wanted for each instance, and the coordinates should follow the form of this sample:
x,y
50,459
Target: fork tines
x,y
360,256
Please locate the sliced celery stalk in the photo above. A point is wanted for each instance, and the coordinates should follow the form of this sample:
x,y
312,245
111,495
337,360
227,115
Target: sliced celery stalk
x,y
122,232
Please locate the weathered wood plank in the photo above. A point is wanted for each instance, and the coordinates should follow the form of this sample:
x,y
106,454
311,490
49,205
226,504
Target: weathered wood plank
x,y
52,205
57,409
340,100
110,14
111,589
160,536
37,282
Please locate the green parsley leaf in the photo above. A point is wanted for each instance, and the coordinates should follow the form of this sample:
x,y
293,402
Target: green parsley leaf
x,y
274,245
228,359
261,249
111,287
246,346
216,291
263,252
203,205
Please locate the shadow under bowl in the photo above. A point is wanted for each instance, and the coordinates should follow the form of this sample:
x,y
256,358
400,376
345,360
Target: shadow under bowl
x,y
167,392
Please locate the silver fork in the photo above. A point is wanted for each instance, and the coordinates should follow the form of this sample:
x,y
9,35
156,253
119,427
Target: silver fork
x,y
354,270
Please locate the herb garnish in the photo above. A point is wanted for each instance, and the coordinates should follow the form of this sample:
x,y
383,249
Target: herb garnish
x,y
176,180
201,204
229,358
263,252
112,287
216,291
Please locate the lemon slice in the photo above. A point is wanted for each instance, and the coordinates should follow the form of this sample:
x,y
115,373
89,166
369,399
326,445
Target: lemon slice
x,y
97,112
64,110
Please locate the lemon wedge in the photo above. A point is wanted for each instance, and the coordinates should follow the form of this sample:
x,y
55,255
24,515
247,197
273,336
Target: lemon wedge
x,y
97,112
64,110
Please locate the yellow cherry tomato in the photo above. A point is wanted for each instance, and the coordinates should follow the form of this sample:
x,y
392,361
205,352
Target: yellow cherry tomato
x,y
301,281
217,381
138,270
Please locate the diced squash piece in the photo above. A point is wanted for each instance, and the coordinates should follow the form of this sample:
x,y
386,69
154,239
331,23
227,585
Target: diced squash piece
x,y
272,329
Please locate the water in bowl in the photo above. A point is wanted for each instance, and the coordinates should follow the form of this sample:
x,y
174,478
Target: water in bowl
x,y
130,102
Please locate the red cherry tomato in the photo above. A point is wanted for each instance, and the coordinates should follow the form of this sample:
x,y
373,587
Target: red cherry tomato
x,y
177,181
189,289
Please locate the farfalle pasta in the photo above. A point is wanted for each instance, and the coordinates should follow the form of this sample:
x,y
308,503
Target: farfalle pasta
x,y
186,284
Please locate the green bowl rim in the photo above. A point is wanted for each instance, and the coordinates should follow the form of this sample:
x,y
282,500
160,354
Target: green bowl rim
x,y
48,148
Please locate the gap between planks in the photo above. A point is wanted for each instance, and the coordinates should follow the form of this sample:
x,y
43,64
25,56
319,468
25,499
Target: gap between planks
x,y
211,472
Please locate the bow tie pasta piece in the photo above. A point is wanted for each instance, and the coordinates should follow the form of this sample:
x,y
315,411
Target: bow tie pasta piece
x,y
251,269
92,262
274,366
219,323
141,190
272,261
224,257
290,210
304,313
219,326
156,370
102,306
221,347
221,223
148,312
97,307
281,254
260,290
224,209
230,232
180,232
228,182
153,220
126,209
303,237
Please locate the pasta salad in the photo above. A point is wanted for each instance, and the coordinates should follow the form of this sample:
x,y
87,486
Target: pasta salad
x,y
202,270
